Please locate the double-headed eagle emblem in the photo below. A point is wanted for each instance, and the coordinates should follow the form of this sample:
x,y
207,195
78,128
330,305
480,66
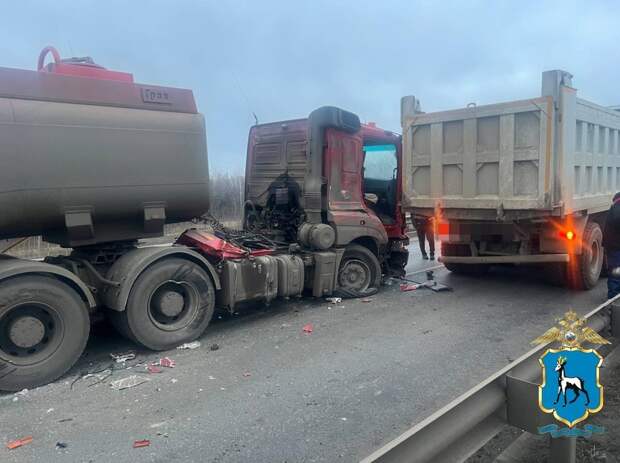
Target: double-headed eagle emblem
x,y
571,332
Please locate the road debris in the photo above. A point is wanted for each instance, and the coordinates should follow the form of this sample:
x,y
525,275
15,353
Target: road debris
x,y
61,445
367,299
214,347
247,374
334,300
19,443
211,377
174,380
430,283
49,410
190,345
129,382
101,374
409,287
152,369
158,425
165,362
141,443
122,357
308,328
22,393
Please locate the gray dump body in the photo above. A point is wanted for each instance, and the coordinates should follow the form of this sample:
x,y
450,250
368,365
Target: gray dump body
x,y
79,168
549,155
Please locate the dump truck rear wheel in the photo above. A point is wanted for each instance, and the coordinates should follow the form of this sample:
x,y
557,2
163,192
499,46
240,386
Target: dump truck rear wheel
x,y
44,327
584,270
171,302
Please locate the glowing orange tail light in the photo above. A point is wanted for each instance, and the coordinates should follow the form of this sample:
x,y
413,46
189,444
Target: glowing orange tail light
x,y
569,235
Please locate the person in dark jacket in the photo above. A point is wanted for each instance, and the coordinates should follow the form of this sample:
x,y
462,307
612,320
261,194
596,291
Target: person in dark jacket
x,y
424,229
611,243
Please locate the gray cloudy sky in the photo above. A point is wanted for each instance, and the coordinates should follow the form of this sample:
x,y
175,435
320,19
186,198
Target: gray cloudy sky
x,y
281,59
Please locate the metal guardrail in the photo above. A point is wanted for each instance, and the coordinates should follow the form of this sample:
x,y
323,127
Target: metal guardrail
x,y
508,397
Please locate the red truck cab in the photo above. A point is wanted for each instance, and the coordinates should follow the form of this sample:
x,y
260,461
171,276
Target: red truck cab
x,y
342,179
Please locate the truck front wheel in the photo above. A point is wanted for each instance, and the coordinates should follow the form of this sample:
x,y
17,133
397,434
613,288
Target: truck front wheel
x,y
359,274
44,327
171,303
584,270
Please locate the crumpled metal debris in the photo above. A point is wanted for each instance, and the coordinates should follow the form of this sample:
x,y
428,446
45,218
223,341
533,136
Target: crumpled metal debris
x,y
130,381
122,357
190,345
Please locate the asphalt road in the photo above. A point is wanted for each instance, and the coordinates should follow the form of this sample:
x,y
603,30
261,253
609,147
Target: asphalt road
x,y
272,393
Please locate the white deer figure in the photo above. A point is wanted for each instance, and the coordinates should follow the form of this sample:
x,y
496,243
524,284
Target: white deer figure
x,y
565,383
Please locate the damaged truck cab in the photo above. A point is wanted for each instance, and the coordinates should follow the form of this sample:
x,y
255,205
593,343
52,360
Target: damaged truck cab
x,y
329,185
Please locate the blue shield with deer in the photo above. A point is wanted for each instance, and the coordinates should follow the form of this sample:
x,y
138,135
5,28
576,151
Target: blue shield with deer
x,y
570,388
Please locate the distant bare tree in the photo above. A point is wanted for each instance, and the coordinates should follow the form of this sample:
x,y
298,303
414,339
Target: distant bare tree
x,y
226,196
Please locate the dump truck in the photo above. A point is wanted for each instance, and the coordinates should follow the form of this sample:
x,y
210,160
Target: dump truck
x,y
521,182
94,162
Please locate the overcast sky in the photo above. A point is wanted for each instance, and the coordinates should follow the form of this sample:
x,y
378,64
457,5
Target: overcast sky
x,y
281,59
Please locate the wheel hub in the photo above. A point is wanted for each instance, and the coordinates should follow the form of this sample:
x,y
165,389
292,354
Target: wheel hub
x,y
170,303
30,332
355,275
26,332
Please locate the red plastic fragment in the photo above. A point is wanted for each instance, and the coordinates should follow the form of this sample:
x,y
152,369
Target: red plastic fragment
x,y
411,287
19,442
308,328
166,362
141,443
154,369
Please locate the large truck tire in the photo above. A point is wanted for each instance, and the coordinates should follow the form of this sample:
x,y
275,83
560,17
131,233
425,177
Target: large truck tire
x,y
359,274
584,270
171,302
44,327
462,269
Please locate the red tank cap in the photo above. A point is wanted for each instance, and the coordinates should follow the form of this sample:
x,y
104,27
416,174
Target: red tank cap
x,y
79,67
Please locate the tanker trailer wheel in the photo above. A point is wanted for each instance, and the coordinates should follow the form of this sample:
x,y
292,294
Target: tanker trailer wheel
x,y
583,270
44,326
462,269
171,303
359,274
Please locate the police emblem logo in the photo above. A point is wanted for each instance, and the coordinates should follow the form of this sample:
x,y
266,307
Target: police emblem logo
x,y
570,386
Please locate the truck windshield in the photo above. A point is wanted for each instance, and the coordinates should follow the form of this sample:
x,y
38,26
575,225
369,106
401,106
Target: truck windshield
x,y
380,162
